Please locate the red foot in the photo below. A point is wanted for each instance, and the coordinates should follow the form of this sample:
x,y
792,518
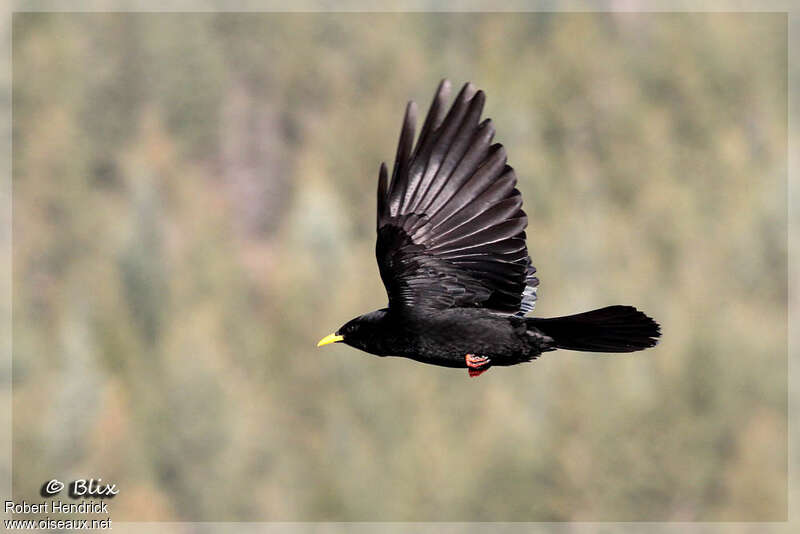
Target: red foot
x,y
477,364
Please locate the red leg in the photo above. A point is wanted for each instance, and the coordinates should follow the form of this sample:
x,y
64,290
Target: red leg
x,y
477,364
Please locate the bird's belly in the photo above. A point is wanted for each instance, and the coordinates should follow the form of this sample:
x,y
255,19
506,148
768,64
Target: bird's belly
x,y
448,340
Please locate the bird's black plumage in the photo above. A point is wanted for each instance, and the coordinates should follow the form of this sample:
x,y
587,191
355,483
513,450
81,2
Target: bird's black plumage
x,y
452,254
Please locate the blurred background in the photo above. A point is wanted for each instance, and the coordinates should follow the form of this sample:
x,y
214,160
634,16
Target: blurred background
x,y
194,209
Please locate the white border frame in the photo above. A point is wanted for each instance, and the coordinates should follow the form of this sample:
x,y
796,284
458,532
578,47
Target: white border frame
x,y
8,7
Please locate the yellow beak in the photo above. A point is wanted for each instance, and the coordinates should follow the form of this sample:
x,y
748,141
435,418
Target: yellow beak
x,y
327,340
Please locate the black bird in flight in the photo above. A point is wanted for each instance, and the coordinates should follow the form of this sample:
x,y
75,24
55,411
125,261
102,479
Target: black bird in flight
x,y
452,255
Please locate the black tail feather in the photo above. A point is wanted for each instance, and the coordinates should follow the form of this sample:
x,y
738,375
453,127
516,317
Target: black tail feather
x,y
612,329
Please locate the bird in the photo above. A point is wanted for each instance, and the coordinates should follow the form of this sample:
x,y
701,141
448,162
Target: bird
x,y
452,254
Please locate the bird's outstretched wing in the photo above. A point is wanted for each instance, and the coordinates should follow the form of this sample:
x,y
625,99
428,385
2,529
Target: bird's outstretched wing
x,y
451,230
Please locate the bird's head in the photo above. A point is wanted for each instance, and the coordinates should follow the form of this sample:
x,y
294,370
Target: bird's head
x,y
363,332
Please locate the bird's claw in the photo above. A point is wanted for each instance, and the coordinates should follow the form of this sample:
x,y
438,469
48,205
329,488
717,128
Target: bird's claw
x,y
477,364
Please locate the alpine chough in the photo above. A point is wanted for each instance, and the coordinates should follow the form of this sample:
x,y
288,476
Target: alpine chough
x,y
452,255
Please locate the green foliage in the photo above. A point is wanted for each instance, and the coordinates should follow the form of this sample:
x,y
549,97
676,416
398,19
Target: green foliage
x,y
194,208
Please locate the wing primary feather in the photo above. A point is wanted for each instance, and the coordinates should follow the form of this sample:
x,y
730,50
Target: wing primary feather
x,y
383,178
439,145
481,154
401,161
478,215
496,232
458,150
510,247
491,175
435,113
501,190
478,152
